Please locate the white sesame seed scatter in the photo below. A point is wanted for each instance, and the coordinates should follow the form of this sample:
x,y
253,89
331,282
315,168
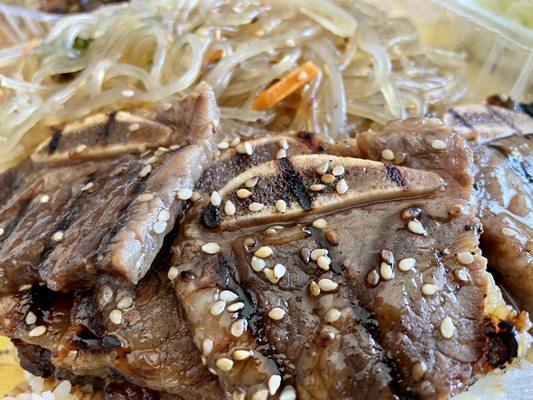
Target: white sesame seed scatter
x,y
338,170
134,127
1,231
462,274
243,193
207,347
145,171
250,183
224,364
333,315
276,313
386,271
322,168
167,106
24,287
174,147
184,194
145,197
256,207
418,371
244,148
229,208
429,289
284,144
160,227
238,394
323,262
30,318
125,303
373,278
509,232
320,223
217,308
81,148
327,285
416,226
438,144
407,264
44,199
281,206
235,142
274,382
128,93
269,273
342,187
235,307
282,153
315,254
314,289
58,236
465,257
387,154
172,273
223,145
238,328
316,187
328,178
258,264
288,393
211,248
116,317
164,215
228,295
212,370
240,355
215,198
37,331
261,394
447,328
264,252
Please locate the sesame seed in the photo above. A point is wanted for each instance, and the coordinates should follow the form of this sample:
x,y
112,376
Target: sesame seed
x,y
270,231
281,206
212,370
258,264
145,171
235,142
314,288
328,178
224,364
125,303
269,273
184,194
174,147
207,347
447,328
250,183
342,187
211,248
462,274
240,355
1,231
164,215
323,262
438,144
418,371
416,226
406,264
128,93
44,199
235,307
315,254
333,315
25,287
159,227
386,271
37,331
264,252
134,127
245,148
320,223
116,317
167,106
172,273
428,289
238,395
223,145
195,197
261,394
228,295
387,154
215,198
282,153
31,318
81,148
256,207
229,208
508,232
327,285
217,308
243,193
387,256
284,144
373,278
288,393
322,168
465,257
145,197
239,327
152,160
274,382
58,236
279,271
316,187
338,170
276,313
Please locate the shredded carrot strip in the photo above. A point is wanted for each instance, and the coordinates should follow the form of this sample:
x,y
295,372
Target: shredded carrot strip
x,y
217,55
288,85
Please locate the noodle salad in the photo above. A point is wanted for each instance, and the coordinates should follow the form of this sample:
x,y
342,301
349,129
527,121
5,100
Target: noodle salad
x,y
332,67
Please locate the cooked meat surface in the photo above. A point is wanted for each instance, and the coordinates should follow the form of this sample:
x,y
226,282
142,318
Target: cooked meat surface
x,y
90,204
332,276
503,152
72,6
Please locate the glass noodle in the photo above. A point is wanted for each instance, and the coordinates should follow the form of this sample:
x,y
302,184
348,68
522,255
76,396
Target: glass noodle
x,y
370,68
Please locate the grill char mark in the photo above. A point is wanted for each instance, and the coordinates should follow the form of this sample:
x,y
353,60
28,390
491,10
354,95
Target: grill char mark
x,y
296,186
461,119
499,117
110,124
502,345
394,174
54,142
212,216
